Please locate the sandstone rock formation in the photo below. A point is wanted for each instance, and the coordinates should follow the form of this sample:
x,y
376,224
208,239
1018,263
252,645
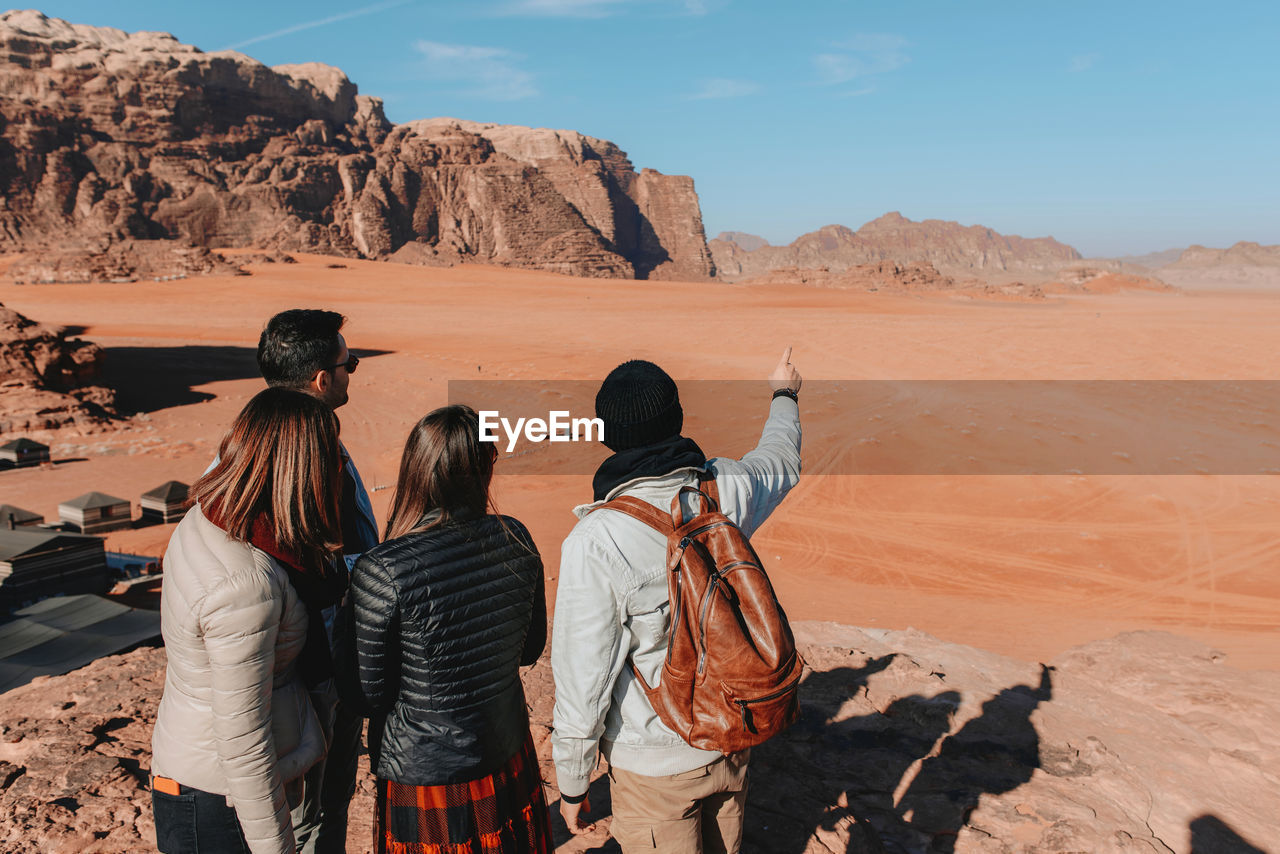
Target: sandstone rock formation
x,y
122,261
1143,743
889,276
1091,280
111,136
950,247
46,380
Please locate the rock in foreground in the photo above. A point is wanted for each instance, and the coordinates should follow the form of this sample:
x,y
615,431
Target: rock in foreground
x,y
47,380
1142,743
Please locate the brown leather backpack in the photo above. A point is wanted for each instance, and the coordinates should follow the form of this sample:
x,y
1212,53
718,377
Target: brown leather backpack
x,y
732,672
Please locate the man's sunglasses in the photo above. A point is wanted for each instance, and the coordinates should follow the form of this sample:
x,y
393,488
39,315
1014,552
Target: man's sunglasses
x,y
350,364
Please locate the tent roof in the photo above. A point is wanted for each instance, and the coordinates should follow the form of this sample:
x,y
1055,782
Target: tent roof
x,y
26,541
58,635
173,490
93,499
20,514
22,444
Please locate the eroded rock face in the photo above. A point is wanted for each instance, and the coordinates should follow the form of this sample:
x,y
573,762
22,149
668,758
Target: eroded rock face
x,y
953,249
1143,743
47,380
107,135
120,261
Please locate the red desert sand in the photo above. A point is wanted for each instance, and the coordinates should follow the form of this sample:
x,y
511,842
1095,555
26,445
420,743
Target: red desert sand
x,y
1023,565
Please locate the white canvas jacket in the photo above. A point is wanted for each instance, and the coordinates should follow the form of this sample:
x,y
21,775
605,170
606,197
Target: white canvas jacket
x,y
235,718
612,603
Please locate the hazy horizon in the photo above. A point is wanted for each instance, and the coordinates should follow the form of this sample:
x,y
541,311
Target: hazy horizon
x,y
1117,130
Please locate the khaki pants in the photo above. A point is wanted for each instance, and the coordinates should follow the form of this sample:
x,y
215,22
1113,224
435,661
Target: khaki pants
x,y
697,812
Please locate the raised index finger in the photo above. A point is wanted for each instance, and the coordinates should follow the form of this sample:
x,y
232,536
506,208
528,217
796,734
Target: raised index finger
x,y
786,355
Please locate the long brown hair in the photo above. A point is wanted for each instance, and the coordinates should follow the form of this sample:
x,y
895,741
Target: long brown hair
x,y
445,472
279,461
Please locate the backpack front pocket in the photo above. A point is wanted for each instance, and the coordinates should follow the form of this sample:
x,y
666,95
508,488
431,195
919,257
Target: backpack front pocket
x,y
768,705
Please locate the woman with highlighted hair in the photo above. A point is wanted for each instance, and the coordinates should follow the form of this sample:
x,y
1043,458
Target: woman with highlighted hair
x,y
247,577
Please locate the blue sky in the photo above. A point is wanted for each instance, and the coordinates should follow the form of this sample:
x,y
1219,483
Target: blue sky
x,y
1118,127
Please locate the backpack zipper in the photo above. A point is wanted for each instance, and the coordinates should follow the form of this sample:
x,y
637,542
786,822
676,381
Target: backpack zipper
x,y
744,705
702,619
717,578
687,538
675,617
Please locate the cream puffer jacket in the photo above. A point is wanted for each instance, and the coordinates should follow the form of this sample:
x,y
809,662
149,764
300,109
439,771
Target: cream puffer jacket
x,y
235,718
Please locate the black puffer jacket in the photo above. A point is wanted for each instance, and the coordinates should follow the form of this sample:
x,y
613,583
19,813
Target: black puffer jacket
x,y
443,621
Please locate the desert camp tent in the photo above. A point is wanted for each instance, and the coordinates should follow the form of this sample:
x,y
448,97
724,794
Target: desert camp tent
x,y
18,516
58,635
96,512
23,452
166,503
35,563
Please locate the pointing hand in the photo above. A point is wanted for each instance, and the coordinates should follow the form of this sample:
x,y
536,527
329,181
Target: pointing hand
x,y
785,374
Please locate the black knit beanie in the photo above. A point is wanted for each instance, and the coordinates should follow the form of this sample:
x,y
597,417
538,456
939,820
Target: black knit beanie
x,y
639,405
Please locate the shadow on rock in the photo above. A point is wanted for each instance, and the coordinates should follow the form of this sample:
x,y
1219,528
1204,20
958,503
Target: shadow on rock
x,y
830,772
851,779
995,752
1212,835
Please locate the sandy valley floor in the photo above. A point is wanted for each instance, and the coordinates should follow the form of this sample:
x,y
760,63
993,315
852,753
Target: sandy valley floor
x,y
1025,564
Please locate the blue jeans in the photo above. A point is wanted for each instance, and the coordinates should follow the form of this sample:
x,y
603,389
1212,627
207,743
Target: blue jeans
x,y
196,822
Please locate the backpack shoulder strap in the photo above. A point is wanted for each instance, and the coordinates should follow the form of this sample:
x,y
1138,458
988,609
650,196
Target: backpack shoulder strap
x,y
707,481
642,510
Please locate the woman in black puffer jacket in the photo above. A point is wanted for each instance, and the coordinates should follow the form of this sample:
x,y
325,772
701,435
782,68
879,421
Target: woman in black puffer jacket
x,y
446,611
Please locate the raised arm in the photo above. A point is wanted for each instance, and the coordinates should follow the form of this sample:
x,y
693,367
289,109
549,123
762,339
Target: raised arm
x,y
239,620
753,487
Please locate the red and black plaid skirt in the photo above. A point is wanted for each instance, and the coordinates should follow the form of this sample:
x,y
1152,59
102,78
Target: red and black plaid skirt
x,y
504,812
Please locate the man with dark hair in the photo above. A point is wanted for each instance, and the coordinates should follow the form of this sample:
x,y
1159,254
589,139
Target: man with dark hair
x,y
304,349
612,614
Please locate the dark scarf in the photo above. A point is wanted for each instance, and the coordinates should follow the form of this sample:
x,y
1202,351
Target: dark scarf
x,y
318,588
646,461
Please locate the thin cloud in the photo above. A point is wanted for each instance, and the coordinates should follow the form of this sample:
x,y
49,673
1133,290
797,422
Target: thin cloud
x,y
1083,62
597,8
703,7
862,55
724,87
562,8
490,73
321,22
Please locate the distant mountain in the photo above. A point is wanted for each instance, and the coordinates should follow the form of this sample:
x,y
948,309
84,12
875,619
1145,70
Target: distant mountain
x,y
749,242
1244,266
1151,260
1242,254
952,248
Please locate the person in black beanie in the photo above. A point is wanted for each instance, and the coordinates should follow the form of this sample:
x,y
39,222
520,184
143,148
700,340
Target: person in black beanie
x,y
612,604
